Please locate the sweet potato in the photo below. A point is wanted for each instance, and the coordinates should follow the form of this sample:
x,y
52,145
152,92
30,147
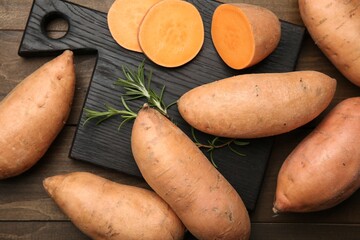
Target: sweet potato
x,y
33,113
335,27
171,33
124,18
244,34
257,105
324,169
179,172
103,209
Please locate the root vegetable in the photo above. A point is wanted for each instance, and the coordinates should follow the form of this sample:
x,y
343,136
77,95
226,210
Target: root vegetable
x,y
244,34
335,27
172,33
103,209
257,105
124,18
33,113
179,172
324,169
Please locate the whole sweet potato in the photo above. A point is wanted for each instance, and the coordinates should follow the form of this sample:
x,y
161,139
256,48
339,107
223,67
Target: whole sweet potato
x,y
179,172
33,113
324,169
335,27
257,105
103,209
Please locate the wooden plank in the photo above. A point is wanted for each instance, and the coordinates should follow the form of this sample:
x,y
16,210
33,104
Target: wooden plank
x,y
12,15
260,231
302,231
40,230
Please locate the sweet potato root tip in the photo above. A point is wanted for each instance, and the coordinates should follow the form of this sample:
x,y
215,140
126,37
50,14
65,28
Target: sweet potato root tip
x,y
244,34
124,18
33,113
172,33
50,183
323,169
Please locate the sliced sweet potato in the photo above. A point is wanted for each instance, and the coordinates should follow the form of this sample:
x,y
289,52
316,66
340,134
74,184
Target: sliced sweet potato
x,y
172,33
124,18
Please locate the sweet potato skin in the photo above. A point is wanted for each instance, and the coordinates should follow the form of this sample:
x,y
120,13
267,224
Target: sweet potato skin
x,y
103,209
324,169
257,105
179,172
334,25
33,113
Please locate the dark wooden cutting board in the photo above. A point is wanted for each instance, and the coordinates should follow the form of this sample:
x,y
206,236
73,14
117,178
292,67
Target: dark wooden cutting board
x,y
107,146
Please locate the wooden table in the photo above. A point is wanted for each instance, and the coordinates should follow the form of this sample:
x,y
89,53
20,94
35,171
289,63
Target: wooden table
x,y
26,212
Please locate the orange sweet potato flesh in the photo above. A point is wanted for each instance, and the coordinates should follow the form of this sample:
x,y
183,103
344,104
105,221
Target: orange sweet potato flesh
x,y
124,18
172,33
244,34
324,169
257,105
103,209
33,113
334,25
178,171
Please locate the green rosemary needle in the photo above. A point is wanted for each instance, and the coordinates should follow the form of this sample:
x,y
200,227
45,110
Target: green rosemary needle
x,y
126,114
137,86
217,143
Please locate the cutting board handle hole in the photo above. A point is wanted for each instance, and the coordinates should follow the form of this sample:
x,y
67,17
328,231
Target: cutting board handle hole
x,y
55,25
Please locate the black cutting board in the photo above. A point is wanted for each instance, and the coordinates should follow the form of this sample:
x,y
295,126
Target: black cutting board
x,y
107,146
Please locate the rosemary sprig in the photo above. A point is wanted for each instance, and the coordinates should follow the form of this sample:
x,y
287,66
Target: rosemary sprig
x,y
126,114
217,143
137,86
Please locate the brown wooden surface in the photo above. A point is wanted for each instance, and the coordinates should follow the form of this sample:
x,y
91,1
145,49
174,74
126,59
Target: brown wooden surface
x,y
26,212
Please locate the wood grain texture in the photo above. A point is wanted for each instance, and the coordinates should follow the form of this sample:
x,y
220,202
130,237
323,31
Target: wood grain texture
x,y
66,230
27,213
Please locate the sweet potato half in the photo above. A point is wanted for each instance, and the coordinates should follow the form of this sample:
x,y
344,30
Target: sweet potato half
x,y
33,113
324,169
103,209
335,27
257,105
244,34
179,172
